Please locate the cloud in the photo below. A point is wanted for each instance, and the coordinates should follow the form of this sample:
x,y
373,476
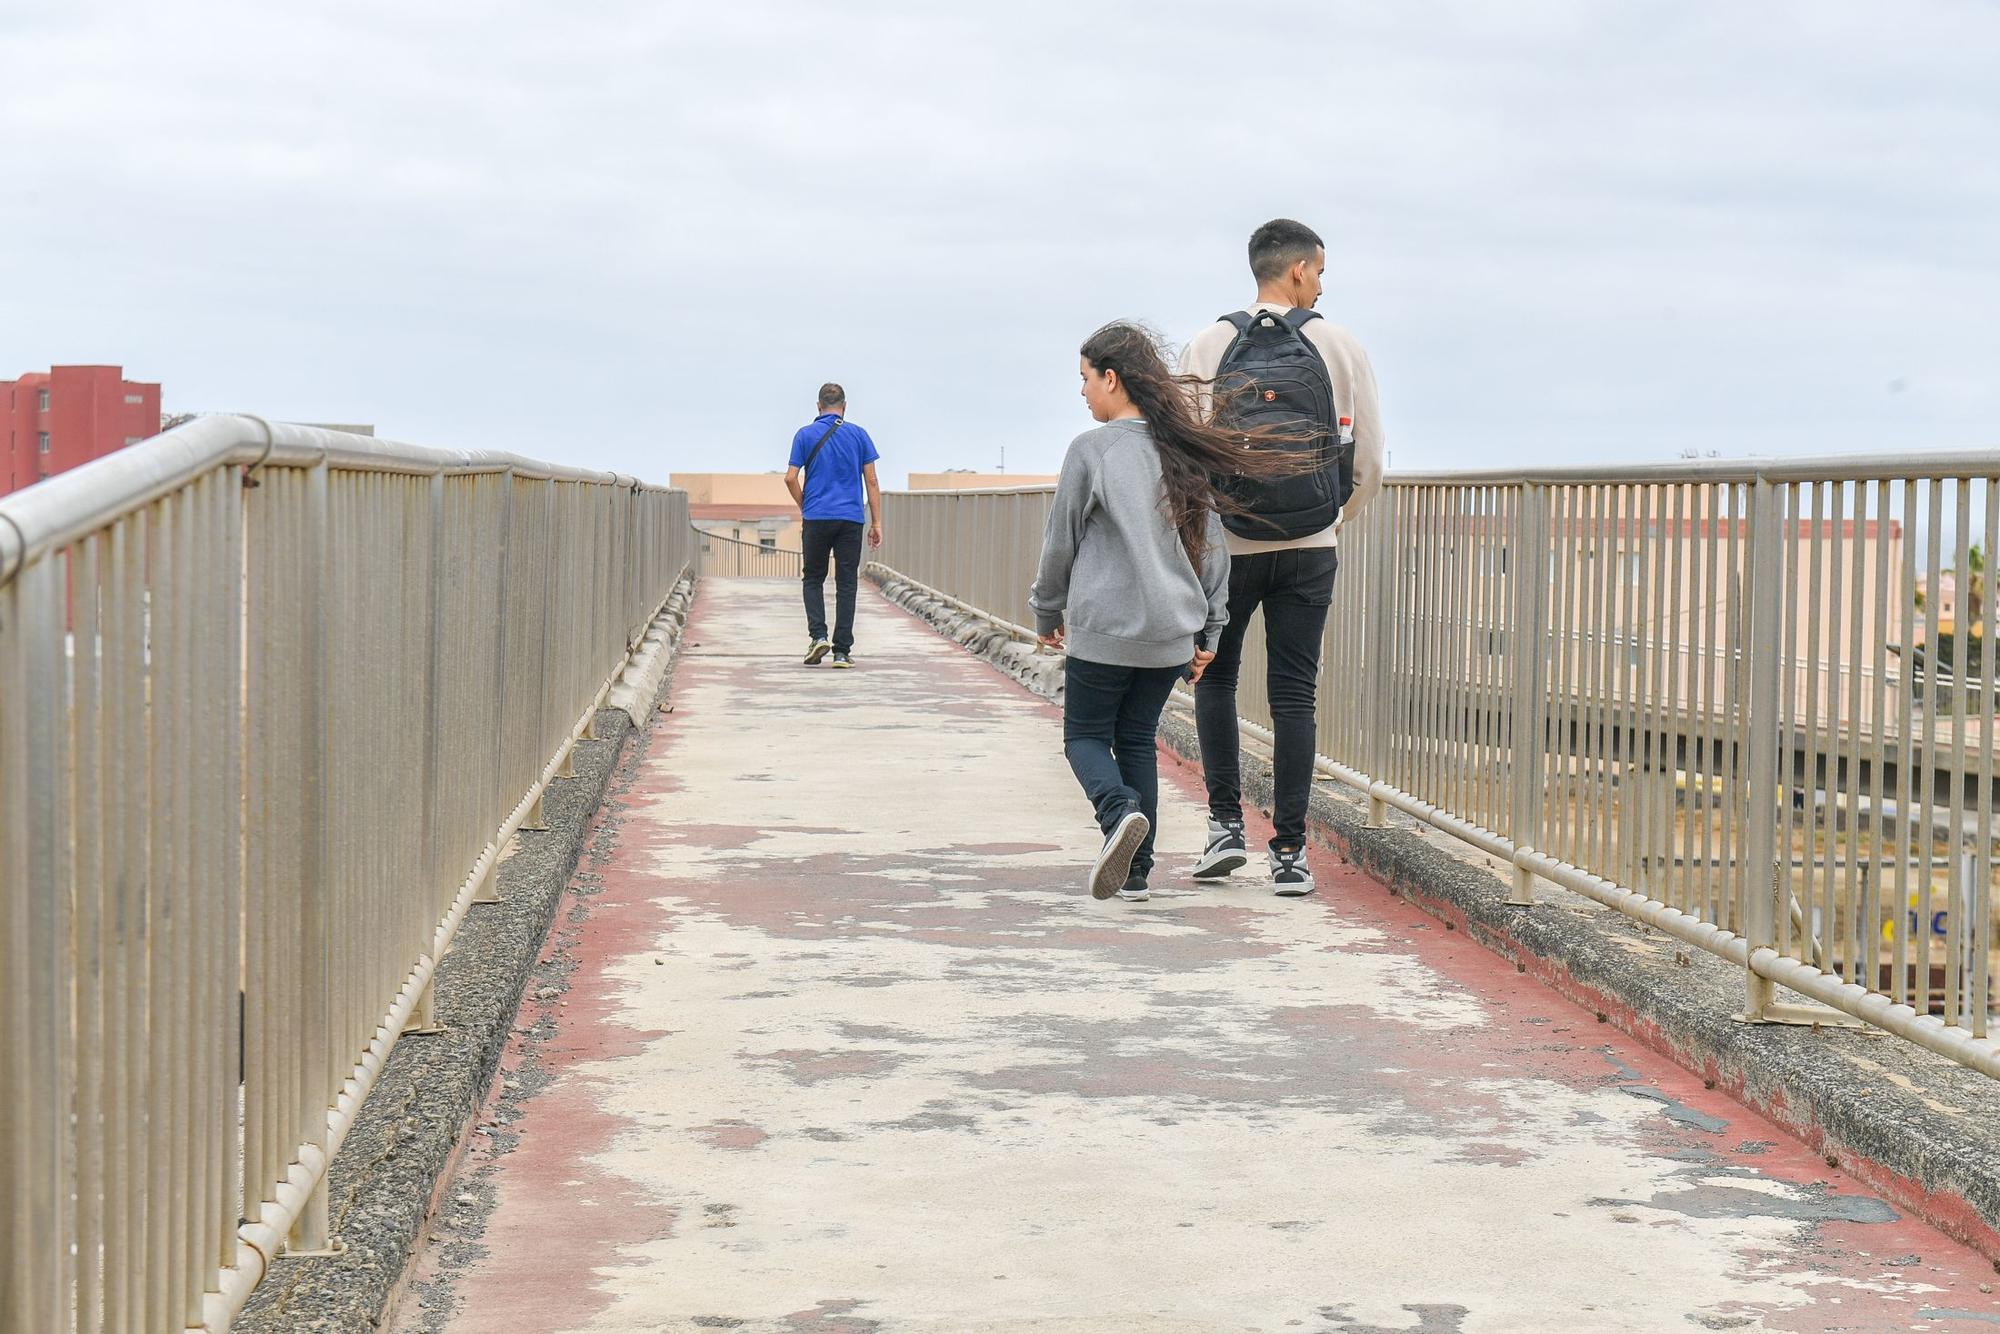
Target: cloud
x,y
639,235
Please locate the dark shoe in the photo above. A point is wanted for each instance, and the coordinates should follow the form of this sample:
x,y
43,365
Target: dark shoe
x,y
1136,889
1290,876
1114,862
1225,852
819,649
841,659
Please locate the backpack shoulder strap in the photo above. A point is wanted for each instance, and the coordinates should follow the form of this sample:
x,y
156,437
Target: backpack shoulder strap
x,y
1300,316
1236,319
821,443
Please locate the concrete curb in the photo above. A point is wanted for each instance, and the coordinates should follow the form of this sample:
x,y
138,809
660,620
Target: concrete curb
x,y
1919,1130
408,1137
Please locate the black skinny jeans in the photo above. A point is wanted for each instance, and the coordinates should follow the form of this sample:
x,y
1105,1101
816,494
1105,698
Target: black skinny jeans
x,y
1294,588
1111,728
841,539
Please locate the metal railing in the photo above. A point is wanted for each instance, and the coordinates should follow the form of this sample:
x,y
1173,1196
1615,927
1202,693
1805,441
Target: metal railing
x,y
272,701
728,558
1721,698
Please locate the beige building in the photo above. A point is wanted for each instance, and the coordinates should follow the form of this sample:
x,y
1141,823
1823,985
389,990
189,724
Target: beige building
x,y
964,479
749,507
1631,596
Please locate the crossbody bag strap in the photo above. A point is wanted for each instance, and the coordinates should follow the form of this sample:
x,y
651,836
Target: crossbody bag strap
x,y
820,444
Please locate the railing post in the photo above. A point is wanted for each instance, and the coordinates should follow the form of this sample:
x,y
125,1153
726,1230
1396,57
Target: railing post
x,y
487,890
1760,643
310,1233
423,1015
1379,615
1527,739
433,860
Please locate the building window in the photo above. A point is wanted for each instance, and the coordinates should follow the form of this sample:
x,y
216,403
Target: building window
x,y
43,440
135,398
768,541
42,401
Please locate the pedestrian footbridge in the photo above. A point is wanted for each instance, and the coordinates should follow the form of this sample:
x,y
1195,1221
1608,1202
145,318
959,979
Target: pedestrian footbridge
x,y
827,1036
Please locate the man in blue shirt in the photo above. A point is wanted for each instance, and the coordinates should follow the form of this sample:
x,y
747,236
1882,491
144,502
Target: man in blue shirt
x,y
837,459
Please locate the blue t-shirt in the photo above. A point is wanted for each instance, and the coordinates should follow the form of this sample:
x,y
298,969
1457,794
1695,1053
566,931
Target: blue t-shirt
x,y
833,482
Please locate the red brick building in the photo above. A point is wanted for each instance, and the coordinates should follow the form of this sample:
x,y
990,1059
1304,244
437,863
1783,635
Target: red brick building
x,y
50,423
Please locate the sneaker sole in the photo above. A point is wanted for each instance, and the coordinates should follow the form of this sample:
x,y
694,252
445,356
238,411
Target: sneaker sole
x,y
843,666
1217,865
1292,891
1107,877
1135,898
815,654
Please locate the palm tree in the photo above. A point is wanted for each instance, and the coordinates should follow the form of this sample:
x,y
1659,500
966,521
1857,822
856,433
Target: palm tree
x,y
1972,599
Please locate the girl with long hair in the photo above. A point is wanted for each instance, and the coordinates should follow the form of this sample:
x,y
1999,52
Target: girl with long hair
x,y
1134,579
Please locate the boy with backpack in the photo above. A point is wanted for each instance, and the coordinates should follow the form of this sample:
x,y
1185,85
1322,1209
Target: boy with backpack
x,y
1288,369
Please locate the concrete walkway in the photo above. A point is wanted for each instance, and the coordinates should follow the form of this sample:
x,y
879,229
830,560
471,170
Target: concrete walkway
x,y
833,1039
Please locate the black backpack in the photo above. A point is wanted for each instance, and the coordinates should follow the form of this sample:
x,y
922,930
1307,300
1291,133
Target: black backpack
x,y
1278,379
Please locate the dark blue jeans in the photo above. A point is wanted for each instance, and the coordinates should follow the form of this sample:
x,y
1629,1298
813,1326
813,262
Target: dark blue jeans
x,y
840,539
1111,728
1294,588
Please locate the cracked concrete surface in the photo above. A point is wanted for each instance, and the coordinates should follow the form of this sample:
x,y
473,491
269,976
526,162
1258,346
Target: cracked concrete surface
x,y
836,1040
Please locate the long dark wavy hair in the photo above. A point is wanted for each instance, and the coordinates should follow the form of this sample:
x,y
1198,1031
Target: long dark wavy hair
x,y
1196,456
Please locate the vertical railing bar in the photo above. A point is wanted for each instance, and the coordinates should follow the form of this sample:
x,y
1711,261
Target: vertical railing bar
x,y
1661,543
1808,723
1737,575
1460,539
87,923
1851,943
1703,664
1926,739
1793,683
1680,742
1624,623
1436,572
1604,807
1906,778
1501,527
1760,733
1879,846
1826,899
1988,681
130,866
1562,745
1644,759
1958,888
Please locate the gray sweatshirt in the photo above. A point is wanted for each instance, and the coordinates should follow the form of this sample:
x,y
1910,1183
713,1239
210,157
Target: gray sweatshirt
x,y
1113,569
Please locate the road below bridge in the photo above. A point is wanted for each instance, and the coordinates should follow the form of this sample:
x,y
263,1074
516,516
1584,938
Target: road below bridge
x,y
830,1038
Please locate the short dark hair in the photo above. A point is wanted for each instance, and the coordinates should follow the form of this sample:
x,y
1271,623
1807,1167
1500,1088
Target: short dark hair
x,y
1279,244
832,395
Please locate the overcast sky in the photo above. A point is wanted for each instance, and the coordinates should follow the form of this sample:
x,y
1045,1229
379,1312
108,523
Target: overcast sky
x,y
637,235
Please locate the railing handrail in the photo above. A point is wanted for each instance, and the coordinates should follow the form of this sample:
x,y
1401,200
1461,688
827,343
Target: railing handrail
x,y
757,547
70,504
1916,465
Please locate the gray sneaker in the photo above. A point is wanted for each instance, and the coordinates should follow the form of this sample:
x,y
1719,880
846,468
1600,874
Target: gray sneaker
x,y
1114,862
1291,878
1225,852
818,649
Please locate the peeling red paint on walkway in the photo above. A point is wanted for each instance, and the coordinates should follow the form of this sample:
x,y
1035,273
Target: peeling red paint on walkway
x,y
847,1047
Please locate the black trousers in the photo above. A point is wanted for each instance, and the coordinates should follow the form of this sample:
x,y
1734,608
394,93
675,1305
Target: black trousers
x,y
841,539
1111,728
1294,588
